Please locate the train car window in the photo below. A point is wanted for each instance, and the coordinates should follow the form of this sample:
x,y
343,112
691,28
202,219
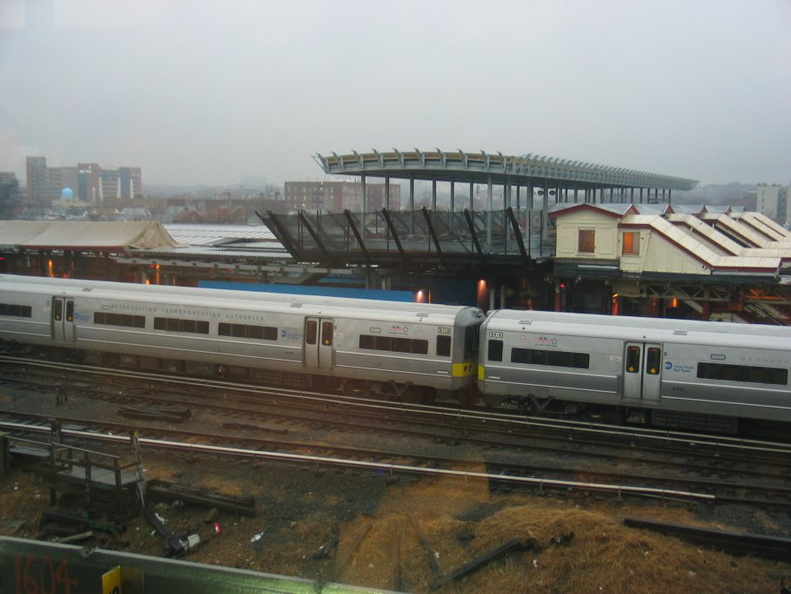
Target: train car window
x,y
743,373
402,345
495,350
311,332
536,357
392,344
383,343
580,360
18,311
416,347
443,346
633,359
653,361
112,319
471,342
247,331
57,309
326,333
179,325
550,358
70,311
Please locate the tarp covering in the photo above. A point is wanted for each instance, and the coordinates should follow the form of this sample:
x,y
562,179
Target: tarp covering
x,y
79,235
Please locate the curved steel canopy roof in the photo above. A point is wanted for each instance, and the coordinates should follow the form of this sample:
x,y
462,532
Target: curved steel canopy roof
x,y
500,169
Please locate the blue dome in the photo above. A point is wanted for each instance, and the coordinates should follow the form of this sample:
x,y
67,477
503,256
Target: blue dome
x,y
67,193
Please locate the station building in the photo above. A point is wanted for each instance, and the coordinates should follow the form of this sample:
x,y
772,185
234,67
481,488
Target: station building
x,y
567,236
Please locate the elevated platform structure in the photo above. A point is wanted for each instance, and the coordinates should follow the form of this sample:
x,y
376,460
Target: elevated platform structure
x,y
540,177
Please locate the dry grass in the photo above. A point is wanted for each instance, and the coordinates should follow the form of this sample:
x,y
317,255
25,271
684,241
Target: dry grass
x,y
462,520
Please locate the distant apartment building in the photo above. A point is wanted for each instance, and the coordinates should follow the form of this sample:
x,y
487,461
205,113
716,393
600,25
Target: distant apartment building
x,y
772,200
87,181
331,196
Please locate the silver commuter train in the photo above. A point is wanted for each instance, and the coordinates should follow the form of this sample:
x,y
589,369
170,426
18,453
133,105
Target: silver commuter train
x,y
687,366
411,350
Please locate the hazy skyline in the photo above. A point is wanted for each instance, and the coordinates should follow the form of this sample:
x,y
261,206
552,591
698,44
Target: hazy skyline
x,y
210,92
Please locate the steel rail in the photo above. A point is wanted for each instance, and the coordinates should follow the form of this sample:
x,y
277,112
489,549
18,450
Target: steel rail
x,y
578,427
376,466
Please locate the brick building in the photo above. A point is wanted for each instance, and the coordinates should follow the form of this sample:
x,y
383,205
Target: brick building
x,y
337,196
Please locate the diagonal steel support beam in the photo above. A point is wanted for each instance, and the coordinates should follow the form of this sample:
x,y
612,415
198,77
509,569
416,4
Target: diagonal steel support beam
x,y
433,234
281,233
357,236
517,233
315,237
473,234
393,232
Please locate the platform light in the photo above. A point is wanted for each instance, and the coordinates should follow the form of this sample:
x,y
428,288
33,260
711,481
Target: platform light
x,y
482,294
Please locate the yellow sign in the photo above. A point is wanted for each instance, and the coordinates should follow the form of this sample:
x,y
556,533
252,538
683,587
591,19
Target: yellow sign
x,y
111,581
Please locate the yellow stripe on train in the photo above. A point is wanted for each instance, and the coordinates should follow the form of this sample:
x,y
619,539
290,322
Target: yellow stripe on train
x,y
464,369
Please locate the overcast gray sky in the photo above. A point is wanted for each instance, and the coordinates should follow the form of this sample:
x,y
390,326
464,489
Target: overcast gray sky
x,y
212,91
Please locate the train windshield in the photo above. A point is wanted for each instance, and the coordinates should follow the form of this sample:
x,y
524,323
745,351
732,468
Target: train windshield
x,y
471,342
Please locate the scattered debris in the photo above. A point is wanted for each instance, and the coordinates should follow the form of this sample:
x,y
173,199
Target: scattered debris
x,y
175,546
432,556
772,547
516,544
193,540
344,558
324,550
164,491
173,413
74,537
562,540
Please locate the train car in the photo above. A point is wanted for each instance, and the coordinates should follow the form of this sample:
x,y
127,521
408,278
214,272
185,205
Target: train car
x,y
660,366
411,350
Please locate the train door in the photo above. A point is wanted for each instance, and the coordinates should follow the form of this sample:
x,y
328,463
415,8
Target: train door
x,y
319,333
642,371
63,319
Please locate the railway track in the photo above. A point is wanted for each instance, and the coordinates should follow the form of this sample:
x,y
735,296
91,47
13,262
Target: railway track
x,y
511,451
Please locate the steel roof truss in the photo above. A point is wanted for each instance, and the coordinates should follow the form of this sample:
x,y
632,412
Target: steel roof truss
x,y
356,232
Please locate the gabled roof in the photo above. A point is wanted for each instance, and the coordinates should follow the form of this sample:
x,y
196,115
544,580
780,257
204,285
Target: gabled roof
x,y
654,209
84,235
693,209
618,210
757,261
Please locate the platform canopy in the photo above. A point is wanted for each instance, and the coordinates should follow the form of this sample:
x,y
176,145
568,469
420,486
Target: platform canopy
x,y
84,235
482,167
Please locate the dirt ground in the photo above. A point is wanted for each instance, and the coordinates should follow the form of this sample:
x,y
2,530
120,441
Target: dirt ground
x,y
360,528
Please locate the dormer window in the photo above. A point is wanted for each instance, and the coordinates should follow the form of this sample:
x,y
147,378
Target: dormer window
x,y
630,243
